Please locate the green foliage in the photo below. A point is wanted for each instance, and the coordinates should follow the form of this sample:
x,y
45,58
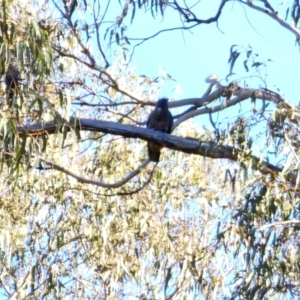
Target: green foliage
x,y
191,228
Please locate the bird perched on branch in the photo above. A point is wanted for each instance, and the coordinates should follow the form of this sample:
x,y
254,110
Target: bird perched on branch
x,y
162,120
11,80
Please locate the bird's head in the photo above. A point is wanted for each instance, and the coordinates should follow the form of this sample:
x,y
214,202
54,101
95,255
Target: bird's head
x,y
161,105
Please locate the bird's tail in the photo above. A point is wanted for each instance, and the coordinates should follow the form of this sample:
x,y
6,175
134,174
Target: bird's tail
x,y
154,151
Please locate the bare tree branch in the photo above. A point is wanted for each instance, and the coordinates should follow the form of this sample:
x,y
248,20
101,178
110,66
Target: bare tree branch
x,y
188,145
187,13
282,223
270,11
95,182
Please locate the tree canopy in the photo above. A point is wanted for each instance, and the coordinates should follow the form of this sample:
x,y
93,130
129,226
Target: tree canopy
x,y
84,212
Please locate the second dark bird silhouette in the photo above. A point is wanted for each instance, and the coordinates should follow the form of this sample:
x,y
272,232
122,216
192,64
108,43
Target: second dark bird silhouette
x,y
160,119
11,80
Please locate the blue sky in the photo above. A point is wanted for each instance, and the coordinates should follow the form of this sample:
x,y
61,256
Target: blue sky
x,y
190,57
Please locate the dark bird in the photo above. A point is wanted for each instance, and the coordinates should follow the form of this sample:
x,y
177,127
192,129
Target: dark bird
x,y
162,120
11,79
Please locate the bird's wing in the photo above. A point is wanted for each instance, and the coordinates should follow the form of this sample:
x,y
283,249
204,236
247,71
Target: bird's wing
x,y
171,122
151,122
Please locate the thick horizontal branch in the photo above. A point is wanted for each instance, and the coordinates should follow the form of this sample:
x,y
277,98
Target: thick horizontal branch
x,y
188,145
